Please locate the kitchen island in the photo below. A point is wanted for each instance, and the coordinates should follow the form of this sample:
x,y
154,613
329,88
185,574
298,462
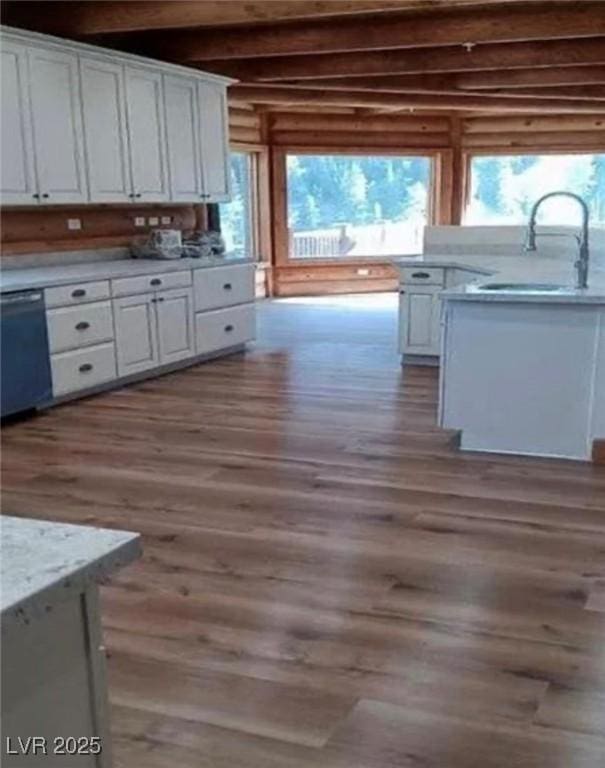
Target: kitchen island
x,y
523,371
53,684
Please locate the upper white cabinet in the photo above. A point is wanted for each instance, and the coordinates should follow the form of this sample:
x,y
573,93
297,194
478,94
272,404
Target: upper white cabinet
x,y
105,130
83,124
214,141
146,129
17,157
57,126
184,151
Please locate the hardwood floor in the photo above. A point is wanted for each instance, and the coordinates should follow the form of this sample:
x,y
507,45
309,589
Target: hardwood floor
x,y
327,582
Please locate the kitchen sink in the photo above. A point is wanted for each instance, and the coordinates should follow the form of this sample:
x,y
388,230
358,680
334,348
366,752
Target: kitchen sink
x,y
523,287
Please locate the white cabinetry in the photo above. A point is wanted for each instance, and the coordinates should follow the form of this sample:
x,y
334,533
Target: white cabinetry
x,y
184,151
147,135
57,126
17,156
106,139
136,333
176,338
420,311
42,141
83,124
153,329
212,101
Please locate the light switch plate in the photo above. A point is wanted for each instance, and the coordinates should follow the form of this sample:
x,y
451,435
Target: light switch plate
x,y
166,220
153,221
363,271
74,223
139,221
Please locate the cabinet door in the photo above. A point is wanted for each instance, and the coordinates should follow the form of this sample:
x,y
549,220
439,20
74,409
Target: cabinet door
x,y
146,134
175,324
184,161
419,317
104,116
57,126
136,334
214,141
18,182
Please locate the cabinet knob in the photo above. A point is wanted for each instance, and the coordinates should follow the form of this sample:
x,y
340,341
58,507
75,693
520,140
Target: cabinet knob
x,y
227,287
155,281
78,293
82,326
85,367
228,328
422,275
138,194
45,195
36,196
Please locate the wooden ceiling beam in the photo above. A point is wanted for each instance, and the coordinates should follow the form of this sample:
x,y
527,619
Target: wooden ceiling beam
x,y
97,17
421,60
524,78
281,95
446,86
453,26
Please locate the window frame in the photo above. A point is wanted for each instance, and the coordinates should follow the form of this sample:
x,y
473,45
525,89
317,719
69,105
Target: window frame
x,y
437,183
468,155
257,155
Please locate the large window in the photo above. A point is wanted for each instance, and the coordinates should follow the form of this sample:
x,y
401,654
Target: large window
x,y
238,219
354,206
504,188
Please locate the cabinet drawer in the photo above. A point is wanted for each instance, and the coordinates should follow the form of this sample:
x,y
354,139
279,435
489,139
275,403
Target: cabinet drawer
x,y
128,286
75,327
82,368
224,328
81,293
424,275
223,286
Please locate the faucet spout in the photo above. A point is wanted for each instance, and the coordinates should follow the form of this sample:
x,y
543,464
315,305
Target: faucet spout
x,y
582,261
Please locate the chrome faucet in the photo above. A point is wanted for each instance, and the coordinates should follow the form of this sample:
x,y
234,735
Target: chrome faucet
x,y
581,263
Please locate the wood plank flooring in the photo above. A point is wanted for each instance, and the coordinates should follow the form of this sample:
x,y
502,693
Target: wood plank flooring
x,y
327,582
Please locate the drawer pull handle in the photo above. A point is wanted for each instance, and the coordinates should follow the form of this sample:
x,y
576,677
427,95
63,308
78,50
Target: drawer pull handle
x,y
227,287
45,195
78,293
85,367
423,275
228,328
83,326
156,281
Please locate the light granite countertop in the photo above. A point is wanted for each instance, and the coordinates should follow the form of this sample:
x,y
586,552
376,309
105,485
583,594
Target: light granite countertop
x,y
43,563
47,276
564,295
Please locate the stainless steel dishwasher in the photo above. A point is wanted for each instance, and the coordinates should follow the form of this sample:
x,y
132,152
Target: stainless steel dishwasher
x,y
25,381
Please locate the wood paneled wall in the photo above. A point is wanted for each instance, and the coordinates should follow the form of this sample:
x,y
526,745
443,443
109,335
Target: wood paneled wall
x,y
44,229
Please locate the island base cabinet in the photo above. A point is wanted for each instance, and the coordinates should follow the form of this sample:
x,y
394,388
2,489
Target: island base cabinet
x,y
54,690
224,328
419,320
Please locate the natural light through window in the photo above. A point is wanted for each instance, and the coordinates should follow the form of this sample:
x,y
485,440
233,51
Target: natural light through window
x,y
504,188
237,216
344,206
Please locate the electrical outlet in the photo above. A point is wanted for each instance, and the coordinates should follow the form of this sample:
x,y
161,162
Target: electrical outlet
x,y
166,220
74,223
363,272
139,221
153,221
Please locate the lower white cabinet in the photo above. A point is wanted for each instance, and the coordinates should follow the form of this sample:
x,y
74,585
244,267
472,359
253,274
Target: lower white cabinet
x,y
136,333
224,328
420,320
176,339
153,329
82,368
223,286
105,330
